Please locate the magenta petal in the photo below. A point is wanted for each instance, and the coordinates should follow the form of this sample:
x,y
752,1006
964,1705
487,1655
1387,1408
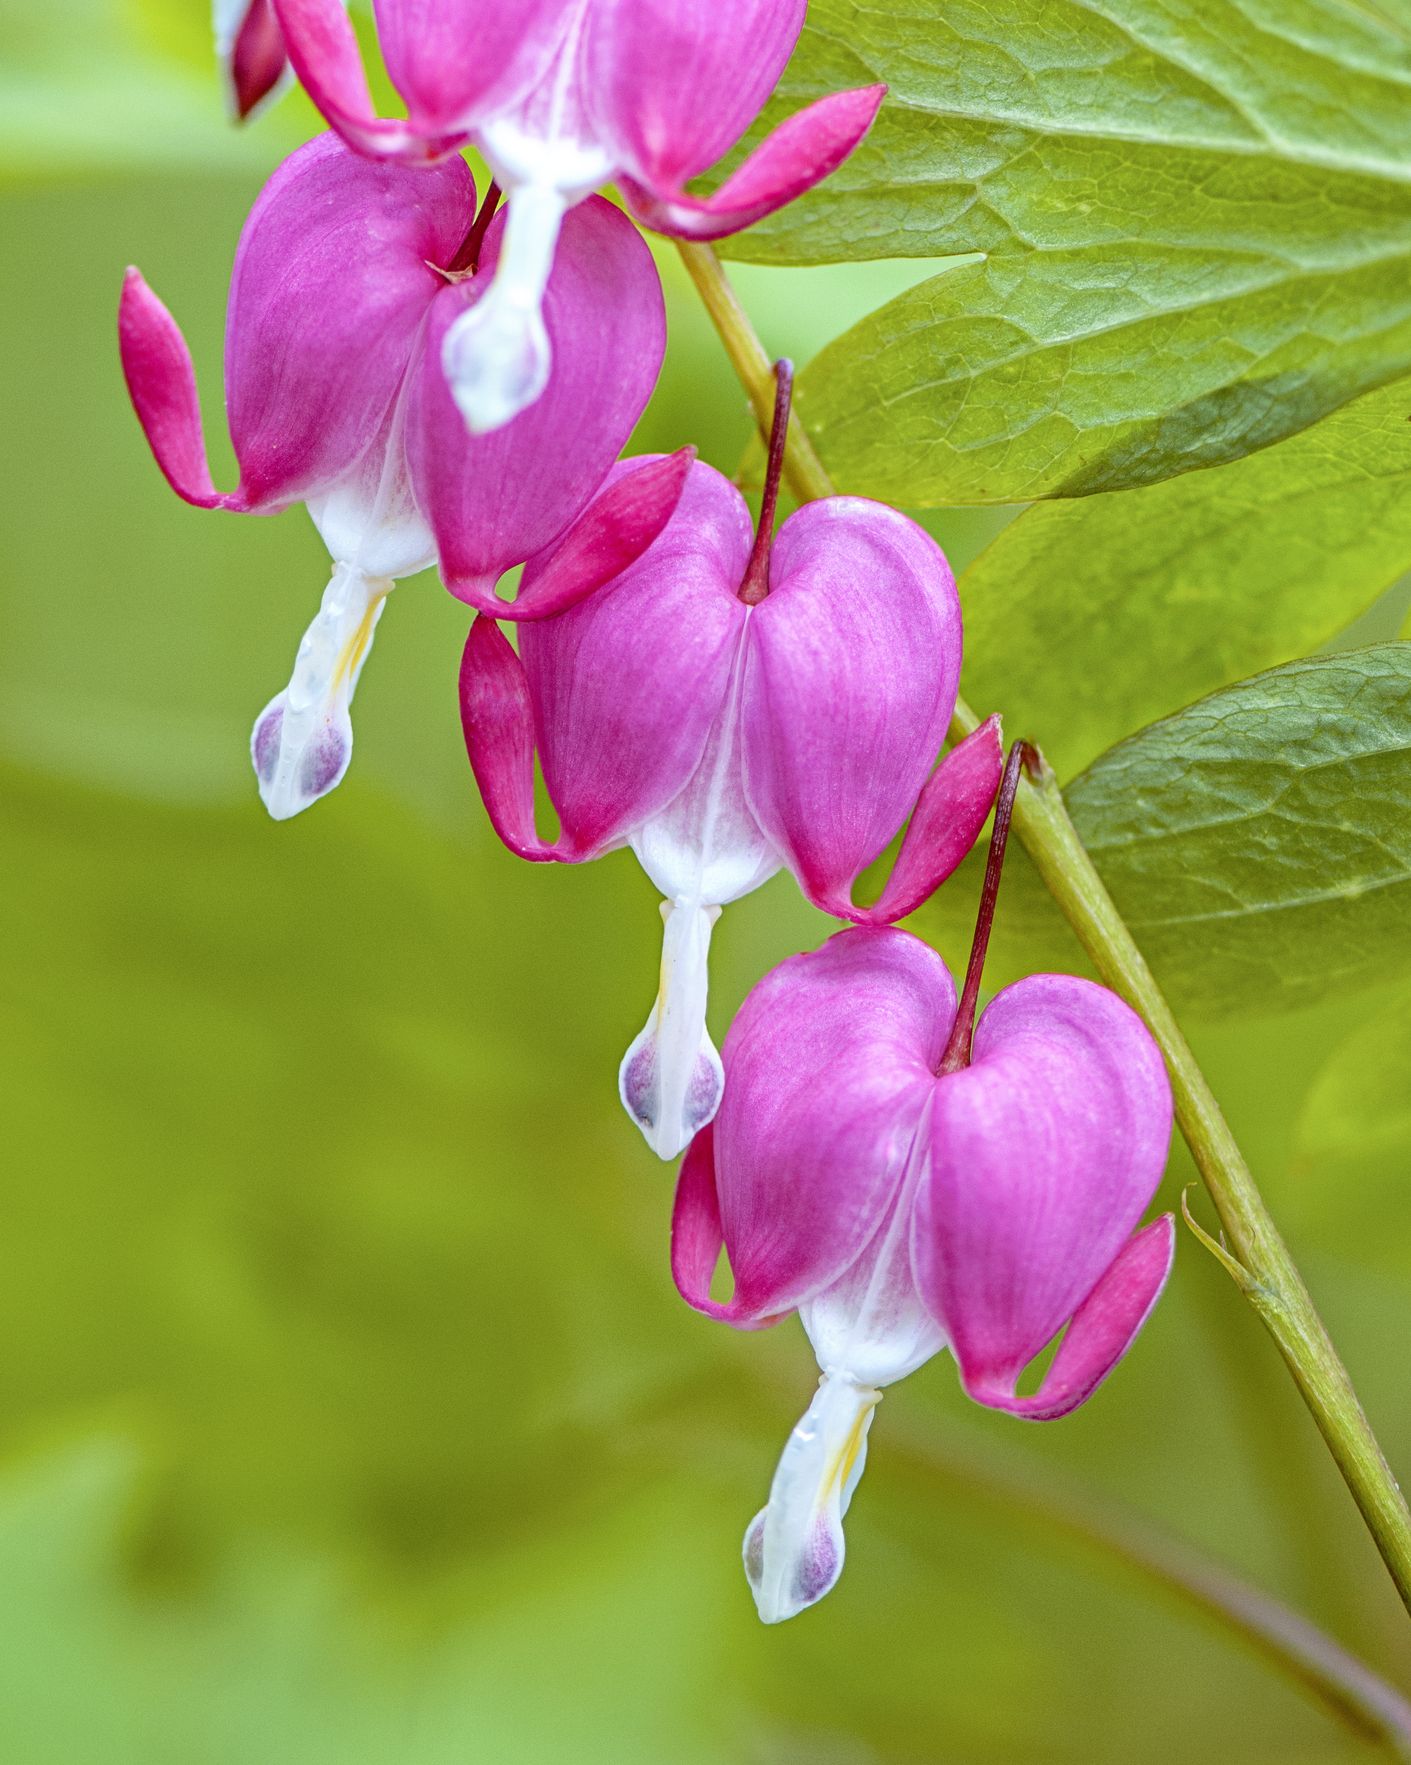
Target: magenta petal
x,y
697,1236
828,1069
1104,1327
1046,1151
671,84
456,61
797,155
494,500
854,665
331,290
612,533
257,58
498,724
323,49
162,385
952,809
628,684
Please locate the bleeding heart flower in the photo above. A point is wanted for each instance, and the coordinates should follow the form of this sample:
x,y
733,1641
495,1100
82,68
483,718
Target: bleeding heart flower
x,y
562,97
729,705
347,276
904,1191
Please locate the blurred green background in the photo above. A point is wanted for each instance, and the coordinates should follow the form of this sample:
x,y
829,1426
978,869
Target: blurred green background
x,y
347,1410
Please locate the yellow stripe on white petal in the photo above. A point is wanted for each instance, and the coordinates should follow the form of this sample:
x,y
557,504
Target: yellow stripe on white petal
x,y
794,1547
868,1328
671,1079
303,739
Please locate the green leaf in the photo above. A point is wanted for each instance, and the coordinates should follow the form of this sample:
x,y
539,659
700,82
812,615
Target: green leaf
x,y
1192,226
1258,843
1087,620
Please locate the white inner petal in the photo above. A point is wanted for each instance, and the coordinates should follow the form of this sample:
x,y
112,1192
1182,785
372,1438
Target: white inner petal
x,y
868,1329
303,739
497,356
544,136
671,1079
706,846
794,1547
870,1325
368,519
702,850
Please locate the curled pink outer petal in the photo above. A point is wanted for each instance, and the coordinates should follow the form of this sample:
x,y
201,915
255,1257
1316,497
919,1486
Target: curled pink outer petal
x,y
162,385
829,1066
323,50
949,815
698,1237
1045,1153
453,61
494,500
853,673
498,721
609,536
800,153
1102,1329
627,685
672,84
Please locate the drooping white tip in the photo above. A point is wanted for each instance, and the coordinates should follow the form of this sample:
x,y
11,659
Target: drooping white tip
x,y
496,356
497,360
794,1548
671,1080
303,739
295,770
